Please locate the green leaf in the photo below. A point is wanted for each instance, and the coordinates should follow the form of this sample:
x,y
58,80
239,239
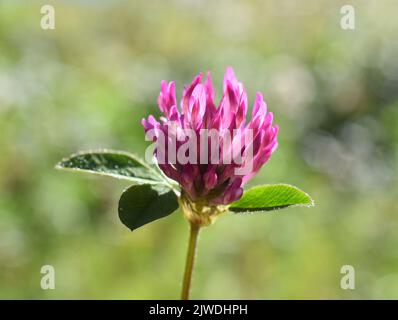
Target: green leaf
x,y
116,164
271,197
141,204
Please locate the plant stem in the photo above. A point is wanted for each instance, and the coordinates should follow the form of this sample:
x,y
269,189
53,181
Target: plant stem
x,y
190,260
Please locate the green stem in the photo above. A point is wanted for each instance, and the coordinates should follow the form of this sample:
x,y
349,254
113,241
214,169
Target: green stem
x,y
193,240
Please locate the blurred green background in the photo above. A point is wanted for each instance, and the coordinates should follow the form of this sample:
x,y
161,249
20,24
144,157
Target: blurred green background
x,y
88,83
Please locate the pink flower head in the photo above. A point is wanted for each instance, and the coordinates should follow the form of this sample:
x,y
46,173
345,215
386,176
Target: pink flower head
x,y
211,151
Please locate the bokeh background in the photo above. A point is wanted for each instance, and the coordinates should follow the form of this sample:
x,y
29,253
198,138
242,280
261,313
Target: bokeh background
x,y
88,83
